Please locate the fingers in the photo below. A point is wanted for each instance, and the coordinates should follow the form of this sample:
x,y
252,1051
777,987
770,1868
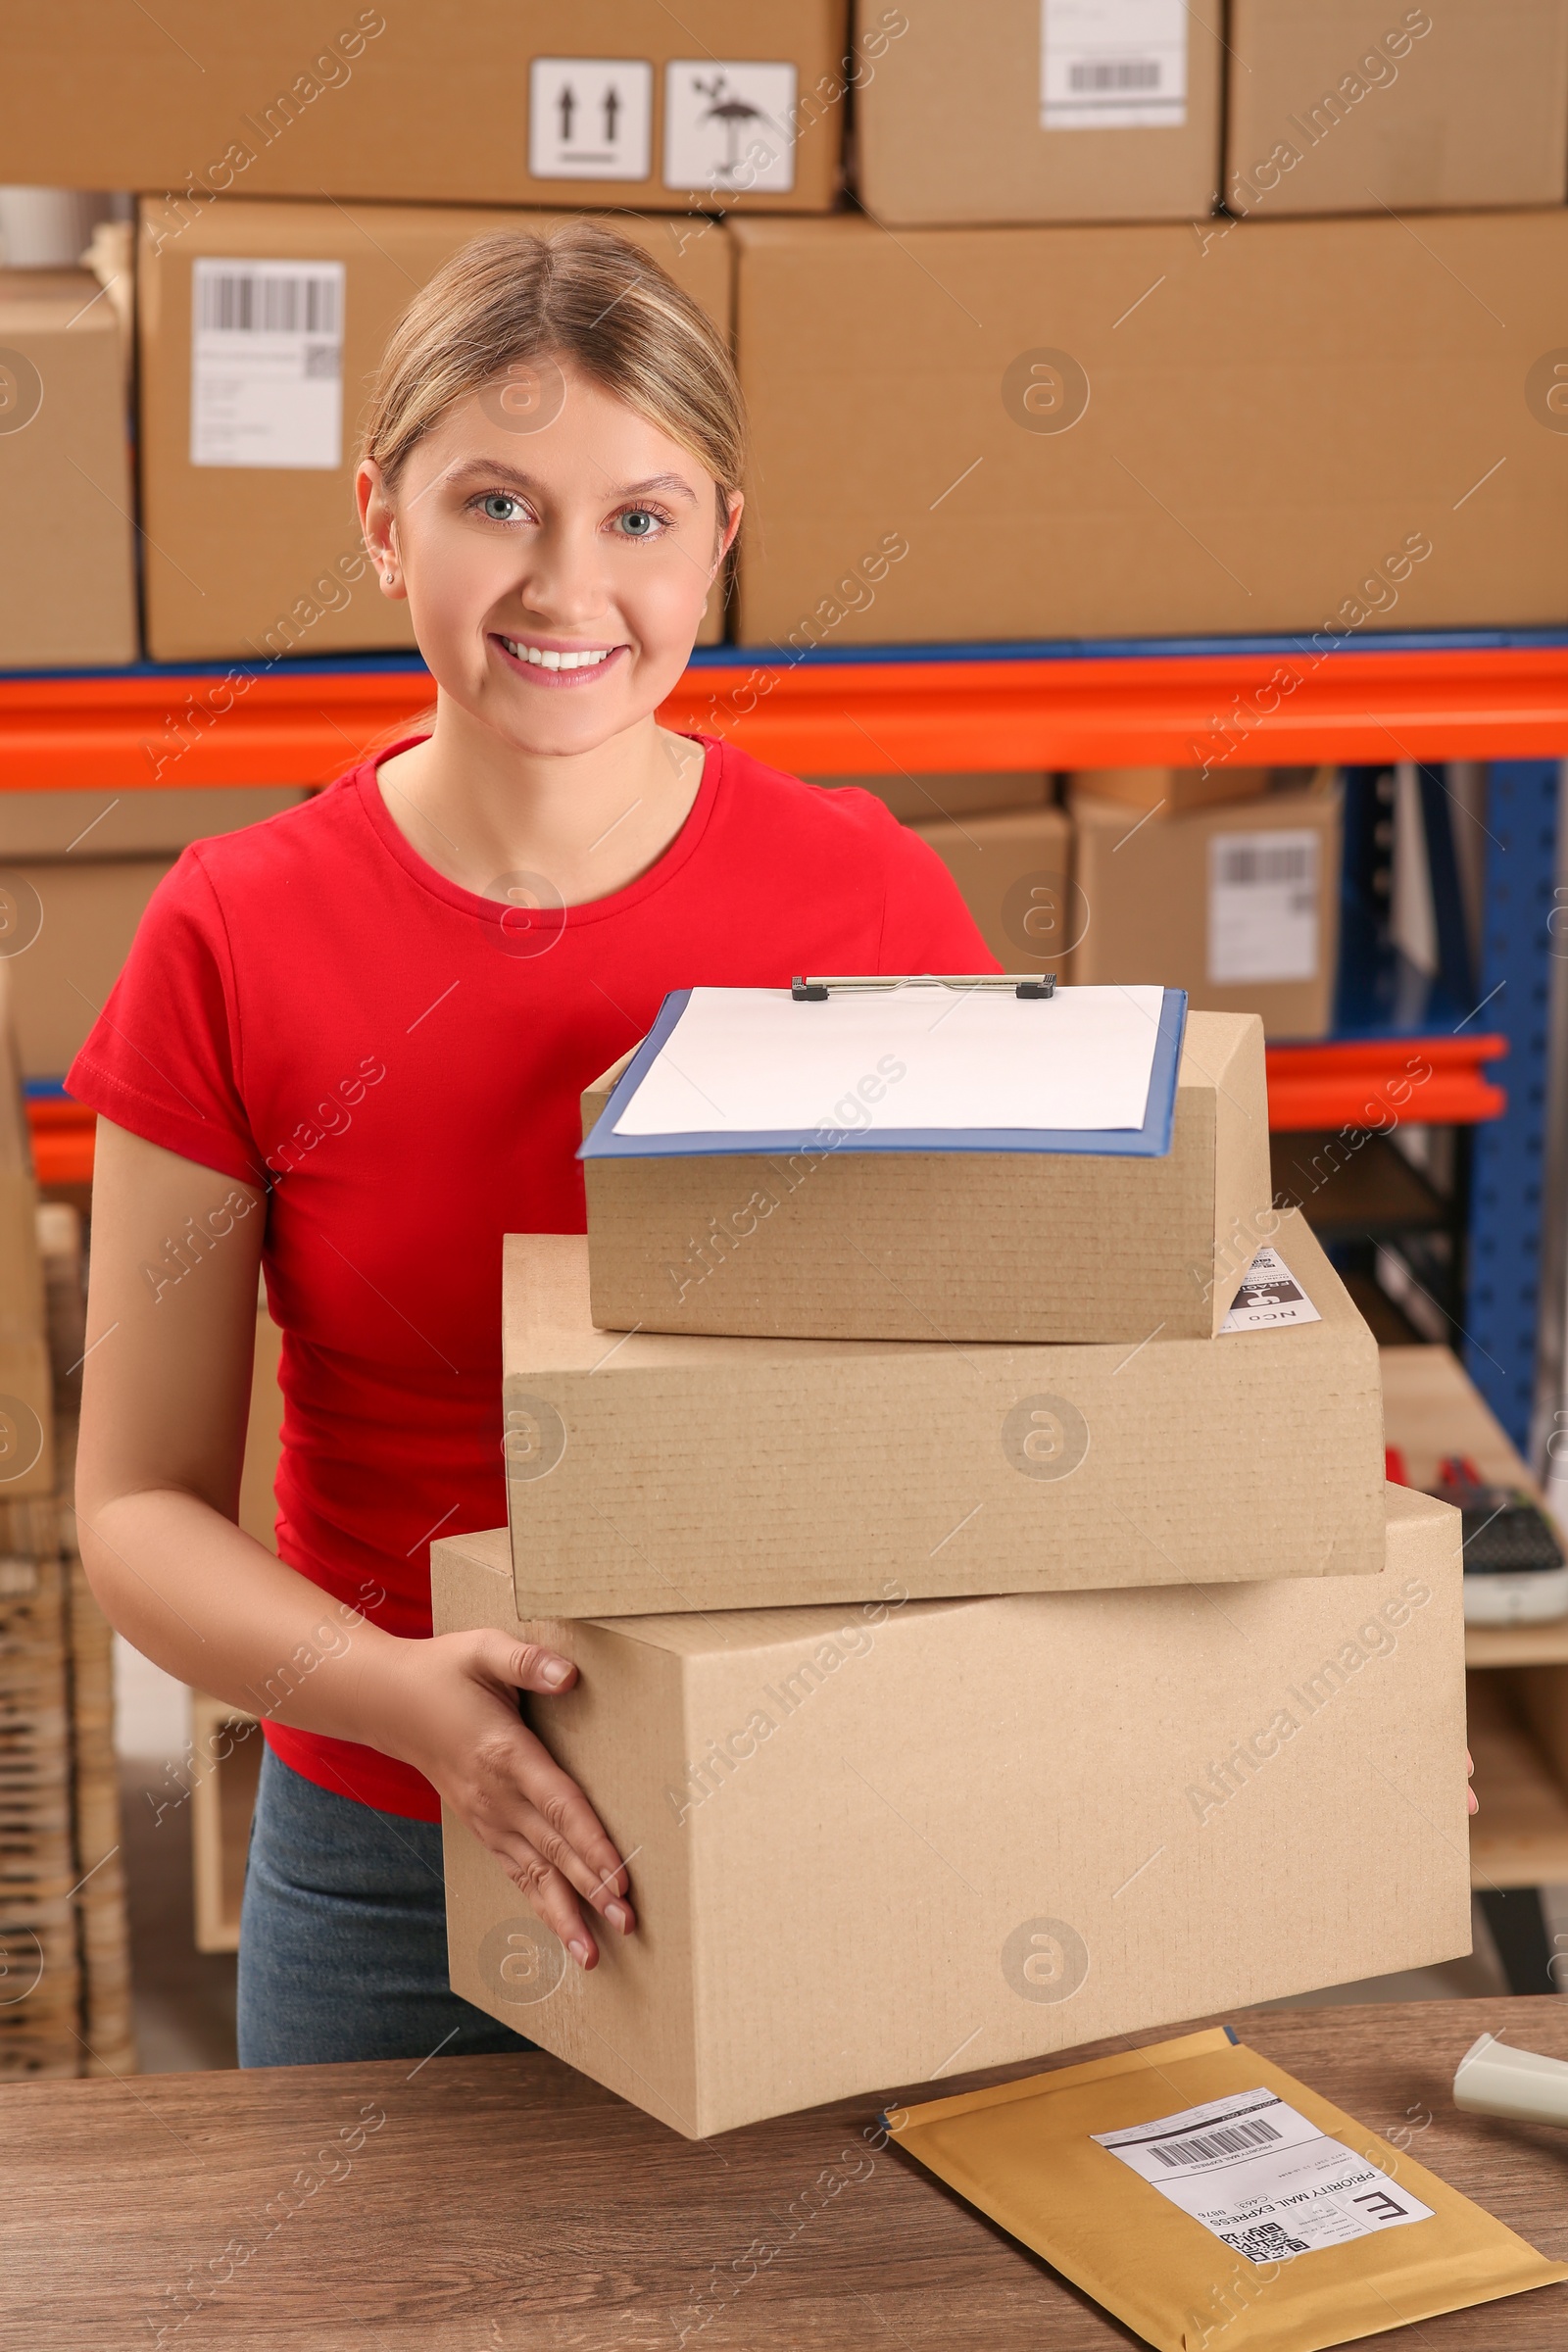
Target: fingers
x,y
527,1666
551,1899
605,1886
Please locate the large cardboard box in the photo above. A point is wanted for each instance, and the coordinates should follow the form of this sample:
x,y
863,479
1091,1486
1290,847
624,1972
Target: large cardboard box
x,y
891,1844
154,823
962,1246
68,591
26,1393
649,1471
715,103
1015,873
75,919
1239,906
258,453
1116,431
1343,106
1044,110
935,797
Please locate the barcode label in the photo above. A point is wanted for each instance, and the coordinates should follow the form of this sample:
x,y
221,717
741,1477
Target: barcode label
x,y
1112,65
1227,2141
267,364
1264,913
1269,1296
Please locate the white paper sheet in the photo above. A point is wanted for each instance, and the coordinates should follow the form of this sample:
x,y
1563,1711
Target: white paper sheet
x,y
752,1060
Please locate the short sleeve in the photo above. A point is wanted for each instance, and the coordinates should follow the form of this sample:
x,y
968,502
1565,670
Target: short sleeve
x,y
162,1059
926,927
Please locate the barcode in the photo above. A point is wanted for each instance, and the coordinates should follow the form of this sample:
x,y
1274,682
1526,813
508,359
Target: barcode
x,y
1251,865
1115,73
1265,2241
258,302
1226,2139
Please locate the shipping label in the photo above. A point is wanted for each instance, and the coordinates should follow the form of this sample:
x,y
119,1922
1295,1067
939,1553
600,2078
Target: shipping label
x,y
267,364
1269,1296
1263,894
1112,65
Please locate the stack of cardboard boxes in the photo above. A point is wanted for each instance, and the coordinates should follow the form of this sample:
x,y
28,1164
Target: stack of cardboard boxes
x,y
985,1645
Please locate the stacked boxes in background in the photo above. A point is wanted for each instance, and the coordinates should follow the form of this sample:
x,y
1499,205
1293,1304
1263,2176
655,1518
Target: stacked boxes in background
x,y
780,1431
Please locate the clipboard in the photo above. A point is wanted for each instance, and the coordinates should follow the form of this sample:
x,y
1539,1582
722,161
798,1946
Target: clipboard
x,y
1152,1140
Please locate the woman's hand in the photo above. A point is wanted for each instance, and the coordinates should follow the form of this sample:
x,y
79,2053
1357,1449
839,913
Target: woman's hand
x,y
448,1707
1470,1768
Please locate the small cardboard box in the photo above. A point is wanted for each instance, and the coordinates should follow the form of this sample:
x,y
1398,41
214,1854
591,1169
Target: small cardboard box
x,y
1239,906
647,1472
891,1844
1166,430
1352,106
702,107
67,590
1014,869
1041,110
260,455
963,1245
76,919
1174,790
938,799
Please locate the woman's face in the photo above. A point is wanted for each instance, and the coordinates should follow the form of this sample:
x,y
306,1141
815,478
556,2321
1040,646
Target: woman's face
x,y
556,549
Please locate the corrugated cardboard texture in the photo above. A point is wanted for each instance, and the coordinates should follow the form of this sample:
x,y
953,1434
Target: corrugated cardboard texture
x,y
912,798
888,1844
948,128
130,824
1144,903
68,586
957,1245
1015,873
1340,106
653,1472
1065,433
84,912
426,104
26,1401
304,584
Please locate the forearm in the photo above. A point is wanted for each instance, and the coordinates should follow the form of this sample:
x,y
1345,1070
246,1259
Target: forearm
x,y
213,1607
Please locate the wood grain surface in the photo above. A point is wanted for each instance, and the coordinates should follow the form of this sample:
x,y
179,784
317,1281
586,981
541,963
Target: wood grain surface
x,y
506,2203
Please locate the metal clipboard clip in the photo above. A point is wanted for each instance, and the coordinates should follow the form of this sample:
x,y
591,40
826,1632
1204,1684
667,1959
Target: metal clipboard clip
x,y
813,991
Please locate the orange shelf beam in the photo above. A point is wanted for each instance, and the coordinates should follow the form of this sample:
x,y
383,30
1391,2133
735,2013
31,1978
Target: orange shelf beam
x,y
300,725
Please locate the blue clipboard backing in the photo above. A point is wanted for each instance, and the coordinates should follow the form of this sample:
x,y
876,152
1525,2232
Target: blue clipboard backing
x,y
1152,1141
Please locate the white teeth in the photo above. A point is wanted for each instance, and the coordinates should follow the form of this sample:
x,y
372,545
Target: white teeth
x,y
539,659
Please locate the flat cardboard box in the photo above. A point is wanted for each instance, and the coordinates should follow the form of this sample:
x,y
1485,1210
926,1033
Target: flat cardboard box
x,y
934,797
1043,433
1344,106
893,1843
433,104
154,823
649,1472
965,1245
26,1393
306,586
67,593
1029,123
81,915
1175,790
1197,902
1015,872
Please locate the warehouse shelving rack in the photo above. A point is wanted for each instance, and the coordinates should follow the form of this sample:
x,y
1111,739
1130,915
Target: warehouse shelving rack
x,y
1499,696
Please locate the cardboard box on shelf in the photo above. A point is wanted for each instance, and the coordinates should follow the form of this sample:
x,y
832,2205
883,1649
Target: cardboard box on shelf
x,y
1058,113
965,1245
154,823
67,594
243,454
1212,434
27,1465
721,103
1123,1809
1015,872
1346,106
667,1471
1174,790
77,918
1239,906
934,797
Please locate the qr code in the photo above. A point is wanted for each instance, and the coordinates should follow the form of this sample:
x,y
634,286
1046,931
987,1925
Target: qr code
x,y
1266,2241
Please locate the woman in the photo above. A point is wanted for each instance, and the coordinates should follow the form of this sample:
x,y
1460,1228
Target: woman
x,y
348,1049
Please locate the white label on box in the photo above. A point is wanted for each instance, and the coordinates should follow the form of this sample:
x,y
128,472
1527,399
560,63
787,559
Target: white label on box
x,y
1261,2178
1262,906
267,364
1112,65
590,118
728,127
1269,1296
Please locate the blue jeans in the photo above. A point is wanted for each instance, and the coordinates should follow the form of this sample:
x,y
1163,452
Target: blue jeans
x,y
343,1935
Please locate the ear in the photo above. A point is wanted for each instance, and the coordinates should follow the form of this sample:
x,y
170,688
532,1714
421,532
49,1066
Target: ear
x,y
379,525
726,538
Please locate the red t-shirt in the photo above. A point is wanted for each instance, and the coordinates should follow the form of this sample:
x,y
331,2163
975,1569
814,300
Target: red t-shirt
x,y
308,1007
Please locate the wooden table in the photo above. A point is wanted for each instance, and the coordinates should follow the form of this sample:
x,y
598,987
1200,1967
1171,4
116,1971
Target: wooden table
x,y
498,2204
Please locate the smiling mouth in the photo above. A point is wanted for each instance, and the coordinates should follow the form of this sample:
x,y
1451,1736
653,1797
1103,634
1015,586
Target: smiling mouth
x,y
558,662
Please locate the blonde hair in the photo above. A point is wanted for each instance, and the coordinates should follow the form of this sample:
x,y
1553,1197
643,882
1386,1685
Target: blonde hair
x,y
584,296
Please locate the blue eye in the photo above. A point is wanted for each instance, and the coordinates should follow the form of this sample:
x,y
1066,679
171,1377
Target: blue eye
x,y
498,505
639,522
